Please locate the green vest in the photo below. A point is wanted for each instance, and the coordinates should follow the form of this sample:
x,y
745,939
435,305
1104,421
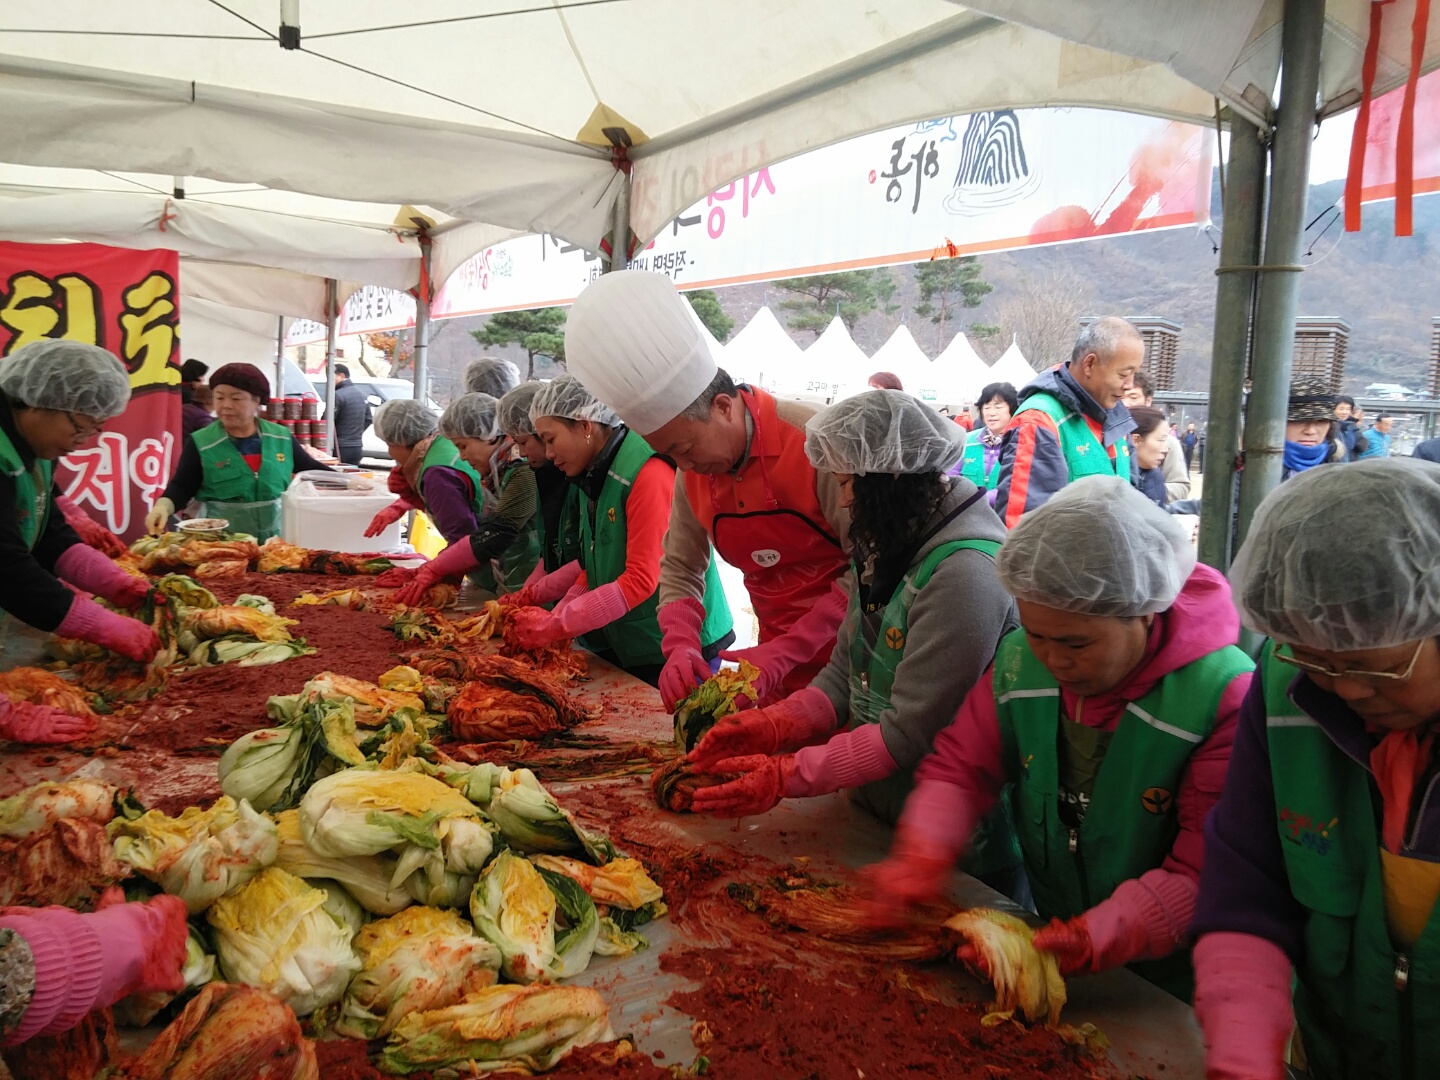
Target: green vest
x,y
634,638
1131,823
230,489
517,560
32,490
444,452
972,466
873,662
1085,454
1354,1018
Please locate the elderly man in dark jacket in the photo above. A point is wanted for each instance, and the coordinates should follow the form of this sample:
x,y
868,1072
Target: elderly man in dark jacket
x,y
352,417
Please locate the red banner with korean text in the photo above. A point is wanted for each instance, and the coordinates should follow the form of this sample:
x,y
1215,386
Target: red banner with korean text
x,y
129,303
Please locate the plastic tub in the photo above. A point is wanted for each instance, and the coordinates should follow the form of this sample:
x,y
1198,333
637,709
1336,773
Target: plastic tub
x,y
334,519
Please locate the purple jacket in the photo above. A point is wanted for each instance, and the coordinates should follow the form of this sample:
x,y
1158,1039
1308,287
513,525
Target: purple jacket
x,y
1243,887
449,502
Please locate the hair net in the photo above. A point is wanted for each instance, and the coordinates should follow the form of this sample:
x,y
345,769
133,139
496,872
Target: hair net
x,y
567,397
246,377
637,344
404,421
1098,547
514,411
68,376
491,375
471,416
1369,585
882,431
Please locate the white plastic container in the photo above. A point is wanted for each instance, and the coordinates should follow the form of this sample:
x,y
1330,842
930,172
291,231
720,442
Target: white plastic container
x,y
335,520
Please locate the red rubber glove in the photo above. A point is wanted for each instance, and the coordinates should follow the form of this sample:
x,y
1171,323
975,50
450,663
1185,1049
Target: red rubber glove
x,y
27,722
396,576
87,569
916,872
90,622
1069,941
522,597
387,517
535,628
89,530
453,562
762,786
968,956
799,719
685,663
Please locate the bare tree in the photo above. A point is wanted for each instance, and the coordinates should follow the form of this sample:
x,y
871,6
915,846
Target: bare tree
x,y
1042,311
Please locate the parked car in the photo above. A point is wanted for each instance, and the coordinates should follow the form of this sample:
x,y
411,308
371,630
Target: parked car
x,y
377,391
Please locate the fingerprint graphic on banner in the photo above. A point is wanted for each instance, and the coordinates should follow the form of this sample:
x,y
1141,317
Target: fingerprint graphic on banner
x,y
994,170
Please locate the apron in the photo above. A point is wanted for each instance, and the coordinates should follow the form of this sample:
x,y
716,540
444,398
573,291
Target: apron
x,y
781,588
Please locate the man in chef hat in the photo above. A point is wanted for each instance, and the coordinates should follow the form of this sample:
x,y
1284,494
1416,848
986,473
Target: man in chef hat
x,y
744,484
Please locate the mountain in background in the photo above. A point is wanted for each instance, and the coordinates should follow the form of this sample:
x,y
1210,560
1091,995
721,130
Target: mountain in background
x,y
1383,285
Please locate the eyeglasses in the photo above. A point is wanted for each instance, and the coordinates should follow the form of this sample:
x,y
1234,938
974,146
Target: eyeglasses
x,y
1381,677
85,433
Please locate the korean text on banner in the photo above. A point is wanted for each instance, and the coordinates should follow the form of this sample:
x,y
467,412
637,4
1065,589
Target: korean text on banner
x,y
125,301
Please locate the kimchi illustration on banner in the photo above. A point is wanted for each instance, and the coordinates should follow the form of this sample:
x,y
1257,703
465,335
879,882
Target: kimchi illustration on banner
x,y
129,303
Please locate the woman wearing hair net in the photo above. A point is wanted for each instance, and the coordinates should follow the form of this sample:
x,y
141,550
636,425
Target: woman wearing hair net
x,y
491,375
54,397
1111,713
239,466
1322,859
430,476
924,549
507,540
559,517
625,494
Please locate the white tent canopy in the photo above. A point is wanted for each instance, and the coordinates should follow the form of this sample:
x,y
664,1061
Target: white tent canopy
x,y
901,357
1012,367
958,373
762,352
501,113
832,362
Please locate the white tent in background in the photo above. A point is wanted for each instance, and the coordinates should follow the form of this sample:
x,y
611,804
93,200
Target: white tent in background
x,y
1012,367
762,352
958,374
829,367
901,357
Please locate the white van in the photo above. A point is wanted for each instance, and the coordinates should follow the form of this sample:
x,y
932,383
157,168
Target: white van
x,y
377,391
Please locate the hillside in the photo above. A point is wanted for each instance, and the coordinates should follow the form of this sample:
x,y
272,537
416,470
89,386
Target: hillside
x,y
1383,285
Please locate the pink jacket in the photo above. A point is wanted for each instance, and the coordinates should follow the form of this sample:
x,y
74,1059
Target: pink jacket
x,y
1143,918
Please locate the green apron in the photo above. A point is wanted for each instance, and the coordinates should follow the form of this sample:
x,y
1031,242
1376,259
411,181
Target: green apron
x,y
634,638
1085,454
873,663
230,489
518,560
1364,1009
1131,824
32,490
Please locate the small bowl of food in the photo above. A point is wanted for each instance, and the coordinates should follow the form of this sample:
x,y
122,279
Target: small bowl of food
x,y
204,528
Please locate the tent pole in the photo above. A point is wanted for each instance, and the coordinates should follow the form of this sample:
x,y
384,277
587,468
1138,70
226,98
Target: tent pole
x,y
332,296
620,233
1243,207
1278,291
280,357
422,326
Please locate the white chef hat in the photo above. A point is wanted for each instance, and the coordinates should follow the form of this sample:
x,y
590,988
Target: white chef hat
x,y
631,341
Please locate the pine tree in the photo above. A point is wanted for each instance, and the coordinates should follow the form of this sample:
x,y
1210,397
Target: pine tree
x,y
851,295
949,284
707,306
539,331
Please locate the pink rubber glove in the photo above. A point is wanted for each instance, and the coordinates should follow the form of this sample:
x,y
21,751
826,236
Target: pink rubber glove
x,y
685,665
1145,918
1242,1000
454,562
590,609
87,569
90,622
760,788
85,962
387,517
849,759
813,631
27,722
89,530
801,718
934,829
547,588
